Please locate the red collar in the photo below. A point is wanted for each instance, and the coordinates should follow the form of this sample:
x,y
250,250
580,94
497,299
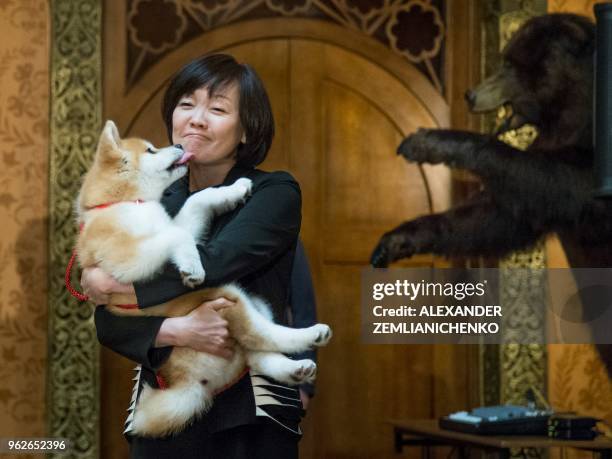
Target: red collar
x,y
108,204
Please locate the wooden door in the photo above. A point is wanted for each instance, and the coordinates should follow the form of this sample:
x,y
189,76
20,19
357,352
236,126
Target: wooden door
x,y
347,117
342,105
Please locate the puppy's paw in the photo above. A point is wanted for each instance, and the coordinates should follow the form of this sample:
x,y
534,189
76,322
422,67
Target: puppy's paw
x,y
246,186
305,371
193,278
322,334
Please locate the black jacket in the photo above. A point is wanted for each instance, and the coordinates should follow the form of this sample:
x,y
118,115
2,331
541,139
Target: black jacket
x,y
253,245
303,304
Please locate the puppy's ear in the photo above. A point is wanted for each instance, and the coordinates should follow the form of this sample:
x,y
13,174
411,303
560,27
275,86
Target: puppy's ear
x,y
108,145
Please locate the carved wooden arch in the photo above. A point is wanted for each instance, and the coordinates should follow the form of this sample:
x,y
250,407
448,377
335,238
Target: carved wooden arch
x,y
262,29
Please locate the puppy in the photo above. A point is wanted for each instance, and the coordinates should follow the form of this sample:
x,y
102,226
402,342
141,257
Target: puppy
x,y
126,232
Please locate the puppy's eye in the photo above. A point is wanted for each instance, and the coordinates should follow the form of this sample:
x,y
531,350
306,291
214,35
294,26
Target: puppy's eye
x,y
150,150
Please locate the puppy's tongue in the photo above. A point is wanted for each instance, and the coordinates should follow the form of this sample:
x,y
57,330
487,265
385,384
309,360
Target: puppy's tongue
x,y
183,159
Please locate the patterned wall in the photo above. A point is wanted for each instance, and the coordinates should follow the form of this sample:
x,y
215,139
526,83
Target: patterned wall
x,y
577,379
74,128
412,28
24,99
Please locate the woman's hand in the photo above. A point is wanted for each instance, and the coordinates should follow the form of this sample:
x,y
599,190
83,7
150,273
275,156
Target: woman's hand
x,y
203,329
98,285
305,398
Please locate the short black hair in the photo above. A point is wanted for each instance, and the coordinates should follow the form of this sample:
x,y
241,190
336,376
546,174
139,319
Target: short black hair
x,y
216,72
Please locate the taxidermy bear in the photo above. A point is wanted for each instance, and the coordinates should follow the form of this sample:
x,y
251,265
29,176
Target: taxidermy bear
x,y
547,79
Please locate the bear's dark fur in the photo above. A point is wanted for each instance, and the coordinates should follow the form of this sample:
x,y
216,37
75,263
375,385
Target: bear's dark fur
x,y
546,77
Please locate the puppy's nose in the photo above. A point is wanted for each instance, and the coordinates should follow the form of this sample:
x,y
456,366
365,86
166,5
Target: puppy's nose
x,y
470,98
179,146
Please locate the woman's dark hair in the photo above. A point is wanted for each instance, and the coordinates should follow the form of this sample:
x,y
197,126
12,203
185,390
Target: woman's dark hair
x,y
216,72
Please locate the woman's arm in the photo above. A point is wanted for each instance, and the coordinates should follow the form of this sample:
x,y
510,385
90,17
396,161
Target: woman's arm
x,y
148,340
265,227
131,337
203,329
98,285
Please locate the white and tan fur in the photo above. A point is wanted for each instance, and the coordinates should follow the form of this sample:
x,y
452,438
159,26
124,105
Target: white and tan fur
x,y
132,240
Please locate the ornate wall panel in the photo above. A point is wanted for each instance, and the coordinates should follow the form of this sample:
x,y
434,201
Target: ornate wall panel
x,y
412,28
515,367
74,128
24,99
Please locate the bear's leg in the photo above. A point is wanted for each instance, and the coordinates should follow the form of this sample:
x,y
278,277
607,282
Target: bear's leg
x,y
492,160
435,146
477,229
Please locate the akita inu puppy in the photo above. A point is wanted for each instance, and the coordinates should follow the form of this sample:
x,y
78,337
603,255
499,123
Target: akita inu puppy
x,y
127,233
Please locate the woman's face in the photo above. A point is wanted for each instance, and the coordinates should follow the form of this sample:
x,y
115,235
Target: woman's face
x,y
209,127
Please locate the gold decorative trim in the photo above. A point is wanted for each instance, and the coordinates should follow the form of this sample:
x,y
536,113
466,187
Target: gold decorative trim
x,y
523,366
516,368
75,121
522,280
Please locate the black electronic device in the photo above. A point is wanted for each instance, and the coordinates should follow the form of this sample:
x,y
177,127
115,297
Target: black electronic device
x,y
572,427
571,422
603,100
499,420
572,434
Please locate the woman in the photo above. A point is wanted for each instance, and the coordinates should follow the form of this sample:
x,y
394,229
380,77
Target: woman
x,y
219,111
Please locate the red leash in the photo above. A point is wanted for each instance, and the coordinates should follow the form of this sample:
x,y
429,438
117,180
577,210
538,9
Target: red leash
x,y
78,295
81,296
